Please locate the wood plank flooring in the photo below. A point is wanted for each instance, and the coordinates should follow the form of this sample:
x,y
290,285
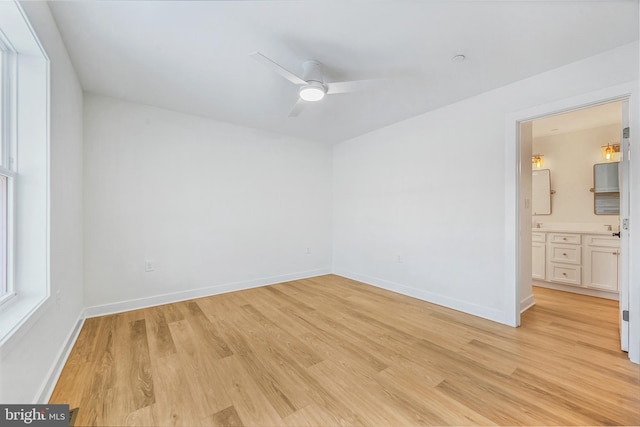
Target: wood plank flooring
x,y
331,351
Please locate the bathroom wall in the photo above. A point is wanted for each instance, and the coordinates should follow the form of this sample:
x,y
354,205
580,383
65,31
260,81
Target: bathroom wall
x,y
570,158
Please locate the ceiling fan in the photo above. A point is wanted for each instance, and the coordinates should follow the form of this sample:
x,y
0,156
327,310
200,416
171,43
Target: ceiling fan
x,y
312,85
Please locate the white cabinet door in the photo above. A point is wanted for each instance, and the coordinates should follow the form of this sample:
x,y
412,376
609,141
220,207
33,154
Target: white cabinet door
x,y
601,268
538,261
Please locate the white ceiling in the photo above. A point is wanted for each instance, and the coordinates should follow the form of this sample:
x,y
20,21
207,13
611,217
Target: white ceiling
x,y
577,120
193,56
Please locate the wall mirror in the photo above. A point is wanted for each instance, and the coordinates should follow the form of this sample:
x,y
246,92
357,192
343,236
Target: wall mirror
x,y
606,189
541,192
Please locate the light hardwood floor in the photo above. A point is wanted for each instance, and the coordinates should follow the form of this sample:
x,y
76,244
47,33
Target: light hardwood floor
x,y
331,351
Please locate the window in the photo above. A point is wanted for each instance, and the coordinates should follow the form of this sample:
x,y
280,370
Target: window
x,y
24,175
7,172
5,287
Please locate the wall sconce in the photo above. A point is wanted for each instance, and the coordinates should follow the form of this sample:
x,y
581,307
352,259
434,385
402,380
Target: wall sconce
x,y
609,151
536,161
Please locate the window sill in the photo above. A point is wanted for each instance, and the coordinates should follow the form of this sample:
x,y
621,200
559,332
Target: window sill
x,y
7,300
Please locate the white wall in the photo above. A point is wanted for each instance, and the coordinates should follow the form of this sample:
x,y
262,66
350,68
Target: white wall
x,y
213,205
432,190
570,158
28,359
523,162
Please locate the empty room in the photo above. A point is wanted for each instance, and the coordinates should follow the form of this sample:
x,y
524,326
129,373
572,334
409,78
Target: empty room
x,y
319,213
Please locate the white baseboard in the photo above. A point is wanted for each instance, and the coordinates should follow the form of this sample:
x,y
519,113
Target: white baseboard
x,y
438,299
135,304
527,303
46,390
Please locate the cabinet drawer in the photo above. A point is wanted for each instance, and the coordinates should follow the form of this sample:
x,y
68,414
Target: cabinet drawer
x,y
538,237
564,273
567,238
603,241
565,254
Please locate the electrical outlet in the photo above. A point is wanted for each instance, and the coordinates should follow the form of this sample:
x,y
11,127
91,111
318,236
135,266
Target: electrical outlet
x,y
58,297
308,252
149,266
400,259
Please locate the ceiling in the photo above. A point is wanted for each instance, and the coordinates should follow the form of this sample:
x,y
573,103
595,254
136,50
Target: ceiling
x,y
577,120
192,57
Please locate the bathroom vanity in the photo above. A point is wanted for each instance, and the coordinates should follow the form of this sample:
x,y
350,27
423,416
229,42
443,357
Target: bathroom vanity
x,y
581,261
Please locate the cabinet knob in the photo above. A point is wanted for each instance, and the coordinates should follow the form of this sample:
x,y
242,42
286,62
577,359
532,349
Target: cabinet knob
x,y
615,253
564,274
564,254
564,238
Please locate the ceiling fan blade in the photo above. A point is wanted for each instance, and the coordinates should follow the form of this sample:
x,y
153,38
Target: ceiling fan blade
x,y
277,68
352,86
297,108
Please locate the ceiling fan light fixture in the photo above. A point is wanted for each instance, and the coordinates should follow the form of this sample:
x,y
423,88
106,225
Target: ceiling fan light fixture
x,y
312,92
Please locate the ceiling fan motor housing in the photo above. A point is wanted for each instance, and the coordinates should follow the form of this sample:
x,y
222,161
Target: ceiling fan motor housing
x,y
315,89
312,71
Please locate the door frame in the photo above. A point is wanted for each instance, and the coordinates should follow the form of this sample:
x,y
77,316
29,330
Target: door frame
x,y
515,199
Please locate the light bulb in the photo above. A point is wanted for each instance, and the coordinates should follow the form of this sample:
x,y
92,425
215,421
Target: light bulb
x,y
311,93
608,152
537,161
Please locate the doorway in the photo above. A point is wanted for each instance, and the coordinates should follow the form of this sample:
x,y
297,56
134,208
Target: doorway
x,y
518,221
575,204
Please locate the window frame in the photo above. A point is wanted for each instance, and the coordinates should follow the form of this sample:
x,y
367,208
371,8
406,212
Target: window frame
x,y
8,148
29,135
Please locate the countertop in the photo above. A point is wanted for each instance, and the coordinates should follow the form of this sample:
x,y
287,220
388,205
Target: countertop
x,y
561,230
